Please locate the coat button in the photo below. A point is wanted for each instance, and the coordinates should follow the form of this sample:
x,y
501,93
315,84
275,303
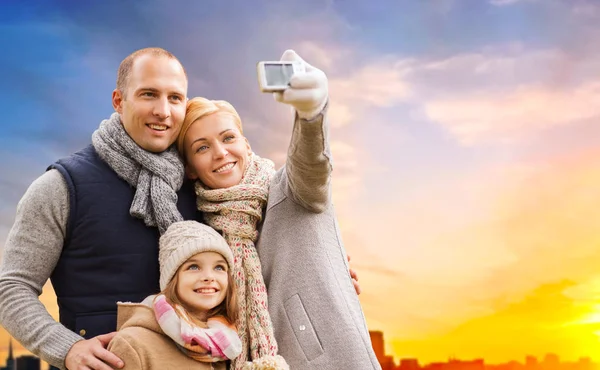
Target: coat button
x,y
302,327
82,332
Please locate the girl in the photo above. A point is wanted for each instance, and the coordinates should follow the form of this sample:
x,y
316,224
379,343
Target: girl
x,y
312,304
190,324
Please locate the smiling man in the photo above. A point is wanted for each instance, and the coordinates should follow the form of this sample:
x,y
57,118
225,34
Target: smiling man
x,y
91,223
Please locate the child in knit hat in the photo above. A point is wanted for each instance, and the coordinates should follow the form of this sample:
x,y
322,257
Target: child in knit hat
x,y
191,322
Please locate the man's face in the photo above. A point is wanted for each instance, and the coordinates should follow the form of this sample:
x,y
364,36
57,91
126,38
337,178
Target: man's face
x,y
153,106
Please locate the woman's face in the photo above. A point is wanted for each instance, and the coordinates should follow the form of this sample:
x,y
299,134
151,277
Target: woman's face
x,y
216,152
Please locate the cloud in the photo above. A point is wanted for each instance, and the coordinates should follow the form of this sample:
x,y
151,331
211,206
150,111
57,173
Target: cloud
x,y
535,320
327,58
355,87
479,244
447,240
501,94
372,86
505,2
507,116
586,9
543,216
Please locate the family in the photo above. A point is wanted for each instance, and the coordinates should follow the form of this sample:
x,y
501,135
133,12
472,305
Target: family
x,y
171,245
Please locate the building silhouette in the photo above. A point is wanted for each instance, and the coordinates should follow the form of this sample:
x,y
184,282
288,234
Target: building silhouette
x,y
550,361
25,362
386,362
28,362
10,360
531,362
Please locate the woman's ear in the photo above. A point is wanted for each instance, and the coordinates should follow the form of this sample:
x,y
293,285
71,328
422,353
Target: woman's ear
x,y
191,172
248,145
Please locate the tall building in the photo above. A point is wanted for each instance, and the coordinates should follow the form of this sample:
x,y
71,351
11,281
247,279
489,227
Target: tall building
x,y
386,362
377,341
10,360
28,362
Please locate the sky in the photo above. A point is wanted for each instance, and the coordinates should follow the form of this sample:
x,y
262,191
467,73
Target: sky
x,y
464,135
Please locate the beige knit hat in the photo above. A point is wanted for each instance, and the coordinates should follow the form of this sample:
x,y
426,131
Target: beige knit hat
x,y
184,239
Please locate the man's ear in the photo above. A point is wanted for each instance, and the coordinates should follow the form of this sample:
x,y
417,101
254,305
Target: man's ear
x,y
117,101
191,172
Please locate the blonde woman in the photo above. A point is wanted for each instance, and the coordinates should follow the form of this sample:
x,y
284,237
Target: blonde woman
x,y
313,310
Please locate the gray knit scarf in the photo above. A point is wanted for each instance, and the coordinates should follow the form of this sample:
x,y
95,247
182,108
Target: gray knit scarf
x,y
156,176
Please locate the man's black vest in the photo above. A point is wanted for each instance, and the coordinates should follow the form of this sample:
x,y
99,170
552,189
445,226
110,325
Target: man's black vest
x,y
108,255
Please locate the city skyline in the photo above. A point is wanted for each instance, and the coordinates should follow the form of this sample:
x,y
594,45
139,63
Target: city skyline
x,y
23,362
388,362
531,362
464,138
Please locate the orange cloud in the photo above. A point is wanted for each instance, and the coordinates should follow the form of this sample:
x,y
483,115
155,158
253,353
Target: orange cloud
x,y
464,255
532,326
510,115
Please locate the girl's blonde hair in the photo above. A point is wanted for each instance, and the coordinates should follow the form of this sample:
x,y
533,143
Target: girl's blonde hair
x,y
228,308
201,107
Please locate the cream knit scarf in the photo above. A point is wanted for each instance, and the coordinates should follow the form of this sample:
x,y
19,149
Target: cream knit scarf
x,y
236,211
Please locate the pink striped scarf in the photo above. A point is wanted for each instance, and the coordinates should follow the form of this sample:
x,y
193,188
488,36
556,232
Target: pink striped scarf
x,y
218,342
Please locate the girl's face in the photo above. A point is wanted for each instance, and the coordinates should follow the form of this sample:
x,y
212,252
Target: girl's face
x,y
216,152
202,283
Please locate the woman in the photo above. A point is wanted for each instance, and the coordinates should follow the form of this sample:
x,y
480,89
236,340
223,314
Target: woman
x,y
316,314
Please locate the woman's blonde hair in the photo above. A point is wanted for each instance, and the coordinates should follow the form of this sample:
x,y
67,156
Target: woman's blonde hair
x,y
201,107
228,308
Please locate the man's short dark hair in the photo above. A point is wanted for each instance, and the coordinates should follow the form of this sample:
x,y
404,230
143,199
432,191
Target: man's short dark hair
x,y
126,65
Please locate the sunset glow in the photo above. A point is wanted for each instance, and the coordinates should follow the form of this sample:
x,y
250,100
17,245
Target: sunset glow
x,y
465,139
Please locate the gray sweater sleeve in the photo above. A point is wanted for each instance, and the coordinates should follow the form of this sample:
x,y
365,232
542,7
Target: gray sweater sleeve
x,y
309,164
31,251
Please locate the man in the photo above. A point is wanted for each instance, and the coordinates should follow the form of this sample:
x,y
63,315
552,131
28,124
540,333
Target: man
x,y
91,222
